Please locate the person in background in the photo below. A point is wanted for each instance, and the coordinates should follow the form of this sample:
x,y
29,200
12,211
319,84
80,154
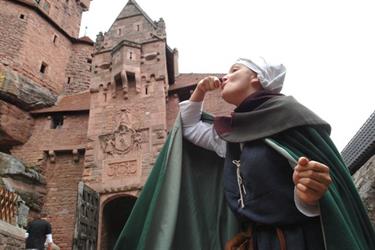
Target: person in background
x,y
39,233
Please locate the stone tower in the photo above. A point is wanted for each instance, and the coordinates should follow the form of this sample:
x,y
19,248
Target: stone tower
x,y
132,66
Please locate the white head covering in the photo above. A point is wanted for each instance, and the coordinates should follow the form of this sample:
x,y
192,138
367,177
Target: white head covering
x,y
270,75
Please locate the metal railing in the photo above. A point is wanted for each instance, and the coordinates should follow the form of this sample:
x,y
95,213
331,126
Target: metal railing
x,y
8,206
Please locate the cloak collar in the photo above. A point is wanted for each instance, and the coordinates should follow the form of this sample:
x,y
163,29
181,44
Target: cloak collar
x,y
264,115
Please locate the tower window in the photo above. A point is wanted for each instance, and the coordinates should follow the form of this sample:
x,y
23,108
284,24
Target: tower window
x,y
46,6
146,90
54,39
68,80
138,28
119,32
43,68
131,80
22,16
130,55
57,121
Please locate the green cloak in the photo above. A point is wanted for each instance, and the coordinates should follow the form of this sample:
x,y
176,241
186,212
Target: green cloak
x,y
182,205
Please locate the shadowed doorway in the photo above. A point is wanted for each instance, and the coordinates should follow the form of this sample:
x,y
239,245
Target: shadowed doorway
x,y
115,215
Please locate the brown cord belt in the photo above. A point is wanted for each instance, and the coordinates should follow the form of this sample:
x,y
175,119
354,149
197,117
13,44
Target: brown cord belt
x,y
244,240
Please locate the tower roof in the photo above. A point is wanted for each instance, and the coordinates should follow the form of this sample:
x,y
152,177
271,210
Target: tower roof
x,y
133,9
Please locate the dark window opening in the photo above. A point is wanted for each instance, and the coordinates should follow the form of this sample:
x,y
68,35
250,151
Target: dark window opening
x,y
22,16
68,80
43,68
130,55
146,90
54,39
131,82
57,121
118,82
89,60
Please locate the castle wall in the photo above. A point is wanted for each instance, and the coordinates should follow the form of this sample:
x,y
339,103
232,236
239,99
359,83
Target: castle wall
x,y
12,36
39,50
63,176
71,135
79,69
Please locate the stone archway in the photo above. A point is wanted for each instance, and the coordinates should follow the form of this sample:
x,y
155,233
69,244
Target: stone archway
x,y
115,214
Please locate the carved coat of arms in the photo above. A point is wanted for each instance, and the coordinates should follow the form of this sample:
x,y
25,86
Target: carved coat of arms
x,y
122,140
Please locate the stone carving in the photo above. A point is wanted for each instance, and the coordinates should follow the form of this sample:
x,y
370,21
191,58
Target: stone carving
x,y
120,169
99,41
160,31
123,139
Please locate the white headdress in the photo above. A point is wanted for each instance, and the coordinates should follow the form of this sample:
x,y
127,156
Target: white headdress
x,y
270,75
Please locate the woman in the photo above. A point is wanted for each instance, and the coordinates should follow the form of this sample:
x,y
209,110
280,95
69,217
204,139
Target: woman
x,y
277,205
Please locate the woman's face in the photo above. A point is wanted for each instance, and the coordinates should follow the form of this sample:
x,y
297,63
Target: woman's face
x,y
238,84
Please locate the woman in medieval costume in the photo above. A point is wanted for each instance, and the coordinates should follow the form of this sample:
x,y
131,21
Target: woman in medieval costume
x,y
278,206
275,154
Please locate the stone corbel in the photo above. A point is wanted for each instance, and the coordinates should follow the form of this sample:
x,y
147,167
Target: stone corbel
x,y
52,156
75,155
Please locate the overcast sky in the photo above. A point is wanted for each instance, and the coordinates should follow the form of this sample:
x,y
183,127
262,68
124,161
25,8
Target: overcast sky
x,y
328,46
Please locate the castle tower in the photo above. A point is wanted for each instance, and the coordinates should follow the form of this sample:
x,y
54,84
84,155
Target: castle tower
x,y
39,41
132,67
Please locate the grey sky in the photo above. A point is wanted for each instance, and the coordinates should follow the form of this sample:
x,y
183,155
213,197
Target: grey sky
x,y
328,47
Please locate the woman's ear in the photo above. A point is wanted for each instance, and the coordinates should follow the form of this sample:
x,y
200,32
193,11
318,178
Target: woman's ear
x,y
255,83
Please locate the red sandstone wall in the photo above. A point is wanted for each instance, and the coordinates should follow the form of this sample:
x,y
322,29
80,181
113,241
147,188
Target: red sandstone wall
x,y
67,14
11,36
63,177
78,72
71,135
213,104
27,43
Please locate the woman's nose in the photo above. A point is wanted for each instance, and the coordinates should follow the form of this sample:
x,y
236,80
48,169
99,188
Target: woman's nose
x,y
224,79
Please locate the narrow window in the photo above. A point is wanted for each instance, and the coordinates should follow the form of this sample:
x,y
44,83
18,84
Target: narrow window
x,y
130,55
57,121
118,82
43,68
146,90
131,81
46,6
138,28
22,16
68,80
119,32
54,39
